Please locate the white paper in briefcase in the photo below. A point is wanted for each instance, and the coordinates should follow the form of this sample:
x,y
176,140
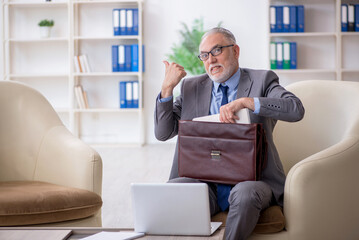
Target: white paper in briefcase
x,y
243,115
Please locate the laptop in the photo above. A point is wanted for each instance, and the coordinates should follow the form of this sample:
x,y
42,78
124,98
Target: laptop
x,y
172,209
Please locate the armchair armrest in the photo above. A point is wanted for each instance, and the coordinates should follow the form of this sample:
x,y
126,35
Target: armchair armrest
x,y
321,194
66,160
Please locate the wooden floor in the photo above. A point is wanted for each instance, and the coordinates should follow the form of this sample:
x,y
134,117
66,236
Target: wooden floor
x,y
126,165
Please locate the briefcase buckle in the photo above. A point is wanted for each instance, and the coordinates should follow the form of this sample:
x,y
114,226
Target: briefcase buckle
x,y
215,154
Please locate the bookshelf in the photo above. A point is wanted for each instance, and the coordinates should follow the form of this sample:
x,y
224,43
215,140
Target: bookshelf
x,y
323,51
47,64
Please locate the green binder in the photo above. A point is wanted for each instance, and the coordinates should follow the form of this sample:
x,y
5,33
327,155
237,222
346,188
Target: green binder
x,y
286,55
273,55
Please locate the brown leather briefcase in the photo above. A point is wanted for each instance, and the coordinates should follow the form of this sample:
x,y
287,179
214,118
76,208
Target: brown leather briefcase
x,y
226,153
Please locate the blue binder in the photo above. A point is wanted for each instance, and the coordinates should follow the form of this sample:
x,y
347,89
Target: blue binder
x,y
357,17
293,19
129,95
351,18
115,66
300,18
272,11
128,57
279,55
129,21
134,58
293,55
279,18
135,94
121,58
286,18
135,21
116,21
123,22
122,86
344,17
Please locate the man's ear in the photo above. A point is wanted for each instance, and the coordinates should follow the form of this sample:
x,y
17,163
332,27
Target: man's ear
x,y
236,51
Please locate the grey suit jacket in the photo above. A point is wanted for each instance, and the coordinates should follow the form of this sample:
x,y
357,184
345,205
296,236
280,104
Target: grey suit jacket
x,y
194,101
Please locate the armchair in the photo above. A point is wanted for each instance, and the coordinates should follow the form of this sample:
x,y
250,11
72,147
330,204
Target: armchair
x,y
320,155
47,175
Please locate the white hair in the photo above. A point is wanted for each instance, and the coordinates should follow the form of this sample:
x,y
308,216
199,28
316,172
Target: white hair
x,y
225,32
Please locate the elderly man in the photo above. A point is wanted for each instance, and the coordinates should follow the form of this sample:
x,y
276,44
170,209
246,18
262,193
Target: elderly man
x,y
225,89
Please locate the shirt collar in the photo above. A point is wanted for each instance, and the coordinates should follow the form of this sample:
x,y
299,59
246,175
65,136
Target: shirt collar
x,y
232,82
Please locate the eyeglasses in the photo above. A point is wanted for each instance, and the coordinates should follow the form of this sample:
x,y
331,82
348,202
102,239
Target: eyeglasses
x,y
215,52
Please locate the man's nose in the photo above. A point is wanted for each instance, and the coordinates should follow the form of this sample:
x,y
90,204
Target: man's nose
x,y
211,58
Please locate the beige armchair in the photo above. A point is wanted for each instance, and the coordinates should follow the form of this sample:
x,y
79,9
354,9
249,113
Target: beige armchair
x,y
46,174
321,156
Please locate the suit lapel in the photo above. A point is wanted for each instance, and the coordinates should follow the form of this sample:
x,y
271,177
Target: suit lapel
x,y
245,84
204,91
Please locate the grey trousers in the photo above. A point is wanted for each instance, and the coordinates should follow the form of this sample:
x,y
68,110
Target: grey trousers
x,y
246,201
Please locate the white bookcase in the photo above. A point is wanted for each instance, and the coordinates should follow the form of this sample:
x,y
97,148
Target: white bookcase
x,y
323,51
81,27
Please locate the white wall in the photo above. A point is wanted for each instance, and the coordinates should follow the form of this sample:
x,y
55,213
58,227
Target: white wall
x,y
247,19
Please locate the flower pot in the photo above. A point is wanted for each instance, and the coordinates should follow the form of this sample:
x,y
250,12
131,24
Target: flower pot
x,y
45,32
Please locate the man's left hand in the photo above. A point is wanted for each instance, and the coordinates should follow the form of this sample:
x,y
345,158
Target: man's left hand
x,y
227,113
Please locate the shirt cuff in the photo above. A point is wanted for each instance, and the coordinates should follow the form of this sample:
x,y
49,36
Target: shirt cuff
x,y
257,105
161,100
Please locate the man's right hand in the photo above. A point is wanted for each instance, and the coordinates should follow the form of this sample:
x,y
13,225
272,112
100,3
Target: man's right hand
x,y
173,75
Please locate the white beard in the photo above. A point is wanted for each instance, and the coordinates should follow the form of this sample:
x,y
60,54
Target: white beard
x,y
224,75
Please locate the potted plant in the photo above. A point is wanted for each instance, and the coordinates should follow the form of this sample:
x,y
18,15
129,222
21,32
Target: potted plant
x,y
45,27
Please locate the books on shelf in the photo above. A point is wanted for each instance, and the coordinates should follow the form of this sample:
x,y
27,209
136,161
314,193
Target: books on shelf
x,y
125,21
129,94
350,17
81,97
286,18
125,58
81,64
283,55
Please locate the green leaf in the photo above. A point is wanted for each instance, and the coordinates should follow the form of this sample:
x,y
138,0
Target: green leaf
x,y
185,53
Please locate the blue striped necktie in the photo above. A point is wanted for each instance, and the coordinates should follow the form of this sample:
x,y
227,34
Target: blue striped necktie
x,y
223,190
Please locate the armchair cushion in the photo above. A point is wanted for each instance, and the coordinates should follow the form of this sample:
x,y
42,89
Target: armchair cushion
x,y
30,202
271,220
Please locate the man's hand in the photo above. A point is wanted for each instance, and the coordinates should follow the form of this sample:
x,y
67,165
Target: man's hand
x,y
227,113
173,75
